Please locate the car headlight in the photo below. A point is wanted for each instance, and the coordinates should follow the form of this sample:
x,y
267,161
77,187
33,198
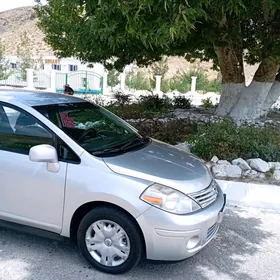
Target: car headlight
x,y
169,200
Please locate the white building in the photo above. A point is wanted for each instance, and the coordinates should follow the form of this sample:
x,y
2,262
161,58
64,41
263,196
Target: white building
x,y
68,70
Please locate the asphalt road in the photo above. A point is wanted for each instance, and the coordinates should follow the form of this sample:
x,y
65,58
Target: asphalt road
x,y
247,247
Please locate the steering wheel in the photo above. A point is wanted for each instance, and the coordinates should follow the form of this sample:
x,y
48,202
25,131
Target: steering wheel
x,y
89,131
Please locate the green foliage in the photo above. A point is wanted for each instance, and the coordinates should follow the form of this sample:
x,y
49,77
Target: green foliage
x,y
270,172
122,98
4,65
97,31
182,102
143,31
138,81
146,107
182,82
113,76
228,141
207,103
155,103
24,54
172,132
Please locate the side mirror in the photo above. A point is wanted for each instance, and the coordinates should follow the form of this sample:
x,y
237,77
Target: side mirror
x,y
45,153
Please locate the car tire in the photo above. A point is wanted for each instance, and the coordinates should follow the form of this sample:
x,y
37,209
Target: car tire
x,y
105,231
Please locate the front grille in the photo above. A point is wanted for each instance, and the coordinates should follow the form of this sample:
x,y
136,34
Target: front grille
x,y
206,196
211,231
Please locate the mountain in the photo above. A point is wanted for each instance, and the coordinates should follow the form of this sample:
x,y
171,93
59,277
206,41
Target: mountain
x,y
14,23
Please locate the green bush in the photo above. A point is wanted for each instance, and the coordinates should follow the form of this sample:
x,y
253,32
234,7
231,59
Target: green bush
x,y
155,103
214,86
172,132
182,102
228,141
182,82
138,81
207,103
147,107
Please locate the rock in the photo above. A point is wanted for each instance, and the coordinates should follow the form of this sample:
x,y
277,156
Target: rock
x,y
276,175
214,159
184,146
225,170
258,164
261,175
241,163
269,121
250,173
181,113
275,165
223,162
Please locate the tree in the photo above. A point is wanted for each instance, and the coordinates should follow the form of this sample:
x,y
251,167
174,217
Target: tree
x,y
4,65
24,55
227,32
113,77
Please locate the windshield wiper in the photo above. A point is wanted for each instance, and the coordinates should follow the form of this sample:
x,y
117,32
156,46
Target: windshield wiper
x,y
134,143
106,151
130,144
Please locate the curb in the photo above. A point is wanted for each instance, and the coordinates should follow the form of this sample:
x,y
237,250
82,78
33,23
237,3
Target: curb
x,y
250,194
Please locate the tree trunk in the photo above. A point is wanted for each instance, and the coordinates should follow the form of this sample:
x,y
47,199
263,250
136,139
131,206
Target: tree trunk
x,y
250,105
231,65
272,96
230,95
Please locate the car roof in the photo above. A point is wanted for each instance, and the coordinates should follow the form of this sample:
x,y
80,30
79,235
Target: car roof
x,y
36,97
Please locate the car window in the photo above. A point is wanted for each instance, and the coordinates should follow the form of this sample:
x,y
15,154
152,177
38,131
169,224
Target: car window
x,y
92,127
20,131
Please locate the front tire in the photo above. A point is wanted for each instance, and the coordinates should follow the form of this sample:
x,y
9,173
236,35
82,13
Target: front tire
x,y
109,240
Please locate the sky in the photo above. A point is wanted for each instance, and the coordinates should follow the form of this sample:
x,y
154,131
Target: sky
x,y
12,4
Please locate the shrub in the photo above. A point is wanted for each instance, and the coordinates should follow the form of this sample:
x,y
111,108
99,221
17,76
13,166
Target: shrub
x,y
182,102
138,81
182,82
147,107
172,132
228,141
155,103
122,98
207,103
214,86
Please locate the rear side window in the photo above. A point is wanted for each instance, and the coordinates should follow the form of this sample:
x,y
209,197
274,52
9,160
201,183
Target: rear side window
x,y
20,131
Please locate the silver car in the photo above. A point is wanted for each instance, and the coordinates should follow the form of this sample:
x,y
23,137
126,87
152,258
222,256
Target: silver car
x,y
72,168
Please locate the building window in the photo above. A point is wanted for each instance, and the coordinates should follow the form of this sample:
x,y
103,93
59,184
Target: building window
x,y
73,68
13,65
56,67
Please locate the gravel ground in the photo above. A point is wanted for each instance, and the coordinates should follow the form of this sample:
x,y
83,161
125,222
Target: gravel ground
x,y
247,247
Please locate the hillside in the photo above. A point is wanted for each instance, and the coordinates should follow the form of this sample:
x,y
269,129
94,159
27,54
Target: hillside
x,y
14,23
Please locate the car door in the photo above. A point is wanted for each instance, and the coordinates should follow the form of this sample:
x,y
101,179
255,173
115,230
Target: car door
x,y
29,194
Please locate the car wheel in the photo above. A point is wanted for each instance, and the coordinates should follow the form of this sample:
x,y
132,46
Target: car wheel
x,y
109,240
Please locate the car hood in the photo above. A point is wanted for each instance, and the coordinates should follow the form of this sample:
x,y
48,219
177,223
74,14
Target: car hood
x,y
164,164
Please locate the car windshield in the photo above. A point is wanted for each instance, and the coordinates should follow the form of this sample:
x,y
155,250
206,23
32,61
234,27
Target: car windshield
x,y
95,129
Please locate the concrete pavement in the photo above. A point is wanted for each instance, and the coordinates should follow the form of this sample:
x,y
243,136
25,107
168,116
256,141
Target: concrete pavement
x,y
246,248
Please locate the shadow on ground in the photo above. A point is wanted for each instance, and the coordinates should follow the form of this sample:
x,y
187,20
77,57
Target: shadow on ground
x,y
27,257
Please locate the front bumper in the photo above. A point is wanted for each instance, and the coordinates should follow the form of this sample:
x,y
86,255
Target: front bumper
x,y
172,237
